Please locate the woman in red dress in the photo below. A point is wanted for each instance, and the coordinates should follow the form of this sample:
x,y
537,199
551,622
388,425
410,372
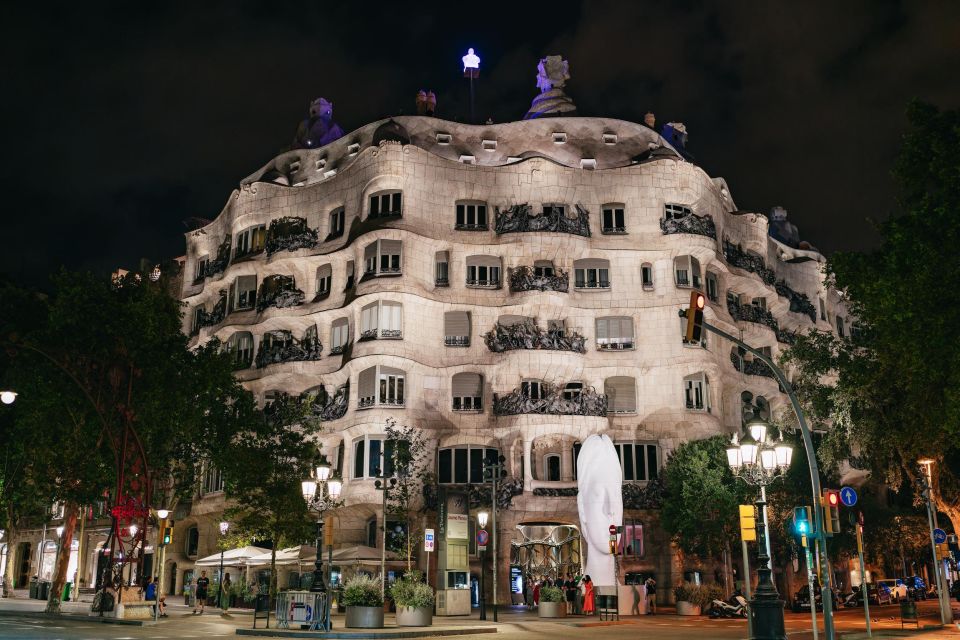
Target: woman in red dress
x,y
536,594
588,599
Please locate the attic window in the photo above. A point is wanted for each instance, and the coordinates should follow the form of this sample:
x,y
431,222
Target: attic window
x,y
588,163
353,149
609,138
489,145
294,166
300,184
467,159
513,158
330,174
444,138
321,163
559,137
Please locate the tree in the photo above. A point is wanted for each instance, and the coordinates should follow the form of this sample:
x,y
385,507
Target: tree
x,y
701,510
262,468
103,359
891,392
407,450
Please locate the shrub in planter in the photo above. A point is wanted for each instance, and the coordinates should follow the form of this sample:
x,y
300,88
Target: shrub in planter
x,y
689,598
552,603
361,595
414,601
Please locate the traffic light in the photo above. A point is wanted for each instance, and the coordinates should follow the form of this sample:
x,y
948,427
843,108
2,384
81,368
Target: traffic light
x,y
831,511
802,524
167,535
748,522
695,317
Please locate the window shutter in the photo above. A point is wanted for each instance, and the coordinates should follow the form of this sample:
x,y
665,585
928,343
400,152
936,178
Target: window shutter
x,y
603,328
368,382
467,385
456,323
324,271
510,320
592,263
621,394
483,261
368,317
390,314
391,247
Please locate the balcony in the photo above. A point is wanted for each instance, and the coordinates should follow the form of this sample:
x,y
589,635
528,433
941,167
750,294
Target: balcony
x,y
692,223
371,401
750,313
383,271
219,265
799,302
551,401
441,282
750,367
526,279
278,291
337,350
471,227
520,218
614,231
326,408
283,347
385,334
591,284
456,341
290,234
528,335
737,257
615,344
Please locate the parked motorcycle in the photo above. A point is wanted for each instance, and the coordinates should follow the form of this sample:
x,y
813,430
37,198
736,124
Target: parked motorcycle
x,y
735,607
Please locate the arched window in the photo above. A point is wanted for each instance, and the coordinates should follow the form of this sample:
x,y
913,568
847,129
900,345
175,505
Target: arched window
x,y
686,270
696,392
371,454
591,273
467,392
621,394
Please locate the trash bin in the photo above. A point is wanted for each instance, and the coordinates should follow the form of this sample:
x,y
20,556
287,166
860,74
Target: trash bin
x,y
33,588
43,590
65,596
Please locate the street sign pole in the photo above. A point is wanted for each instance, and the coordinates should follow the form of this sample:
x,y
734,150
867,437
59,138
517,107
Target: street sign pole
x,y
813,602
863,577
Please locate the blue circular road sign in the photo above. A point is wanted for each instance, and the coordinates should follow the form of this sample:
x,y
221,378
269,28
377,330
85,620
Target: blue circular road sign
x,y
848,496
939,536
483,537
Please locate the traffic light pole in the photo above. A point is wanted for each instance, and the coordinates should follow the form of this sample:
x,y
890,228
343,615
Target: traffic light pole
x,y
863,579
813,601
811,463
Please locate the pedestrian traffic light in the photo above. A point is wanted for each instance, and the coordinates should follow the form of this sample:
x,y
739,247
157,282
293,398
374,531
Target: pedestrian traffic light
x,y
695,317
748,522
167,535
831,511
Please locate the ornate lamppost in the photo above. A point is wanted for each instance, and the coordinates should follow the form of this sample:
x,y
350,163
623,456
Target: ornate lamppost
x,y
759,461
224,527
321,493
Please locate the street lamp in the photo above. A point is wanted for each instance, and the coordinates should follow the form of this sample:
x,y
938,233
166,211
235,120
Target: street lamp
x,y
8,397
471,69
926,490
224,527
759,461
482,521
162,515
321,492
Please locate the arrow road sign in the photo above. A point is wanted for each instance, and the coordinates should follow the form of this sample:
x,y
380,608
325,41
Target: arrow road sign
x,y
848,496
939,536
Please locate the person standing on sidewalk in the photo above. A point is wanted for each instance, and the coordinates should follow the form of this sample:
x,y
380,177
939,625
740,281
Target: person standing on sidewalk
x,y
203,583
225,593
589,606
651,586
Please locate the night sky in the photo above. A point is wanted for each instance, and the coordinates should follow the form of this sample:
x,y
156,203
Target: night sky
x,y
122,122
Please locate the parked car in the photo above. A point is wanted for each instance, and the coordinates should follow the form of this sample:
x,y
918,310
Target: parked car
x,y
916,587
801,600
879,594
898,589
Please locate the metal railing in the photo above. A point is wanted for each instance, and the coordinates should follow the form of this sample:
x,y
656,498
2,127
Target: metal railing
x,y
300,608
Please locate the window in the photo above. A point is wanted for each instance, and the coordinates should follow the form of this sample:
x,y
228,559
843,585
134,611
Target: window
x,y
613,221
552,208
464,464
559,137
370,455
201,270
532,389
191,542
551,467
471,216
456,328
444,138
572,390
324,279
240,345
543,268
483,271
823,310
383,319
675,211
441,271
591,274
353,148
609,138
621,394
639,462
349,284
588,163
713,286
386,204
467,391
646,275
696,392
759,303
339,335
198,313
337,223
489,145
840,328
686,271
243,293
467,159
250,241
614,333
212,480
381,385
382,258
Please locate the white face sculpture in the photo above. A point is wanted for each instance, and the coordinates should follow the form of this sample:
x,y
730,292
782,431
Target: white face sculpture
x,y
600,503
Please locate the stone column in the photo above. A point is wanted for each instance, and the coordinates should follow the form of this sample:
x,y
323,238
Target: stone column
x,y
527,464
566,460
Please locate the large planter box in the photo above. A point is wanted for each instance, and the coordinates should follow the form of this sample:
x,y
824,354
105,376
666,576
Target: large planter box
x,y
685,608
552,609
365,617
414,617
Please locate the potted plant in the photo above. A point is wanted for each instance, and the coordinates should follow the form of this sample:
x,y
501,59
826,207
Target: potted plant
x,y
552,603
361,595
689,598
414,601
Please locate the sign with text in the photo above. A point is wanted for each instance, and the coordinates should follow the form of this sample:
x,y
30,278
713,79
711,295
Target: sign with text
x,y
458,526
428,540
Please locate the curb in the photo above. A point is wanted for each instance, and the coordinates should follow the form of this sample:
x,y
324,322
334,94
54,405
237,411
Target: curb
x,y
427,632
7,613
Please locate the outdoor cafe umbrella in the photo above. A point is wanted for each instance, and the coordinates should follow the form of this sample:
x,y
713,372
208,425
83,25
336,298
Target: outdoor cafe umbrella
x,y
232,557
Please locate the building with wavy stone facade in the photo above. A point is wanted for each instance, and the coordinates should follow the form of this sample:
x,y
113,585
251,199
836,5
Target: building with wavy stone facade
x,y
509,289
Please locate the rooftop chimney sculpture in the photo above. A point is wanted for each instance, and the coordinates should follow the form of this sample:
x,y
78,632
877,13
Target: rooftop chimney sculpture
x,y
552,73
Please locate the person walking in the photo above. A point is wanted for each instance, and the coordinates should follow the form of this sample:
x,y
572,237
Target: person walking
x,y
203,583
589,601
150,591
651,586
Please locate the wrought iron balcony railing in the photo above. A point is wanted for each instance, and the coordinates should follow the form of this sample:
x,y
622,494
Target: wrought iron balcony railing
x,y
289,234
692,223
525,278
456,341
520,218
551,402
528,335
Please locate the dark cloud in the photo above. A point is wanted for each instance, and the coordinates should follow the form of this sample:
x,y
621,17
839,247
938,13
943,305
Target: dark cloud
x,y
124,120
